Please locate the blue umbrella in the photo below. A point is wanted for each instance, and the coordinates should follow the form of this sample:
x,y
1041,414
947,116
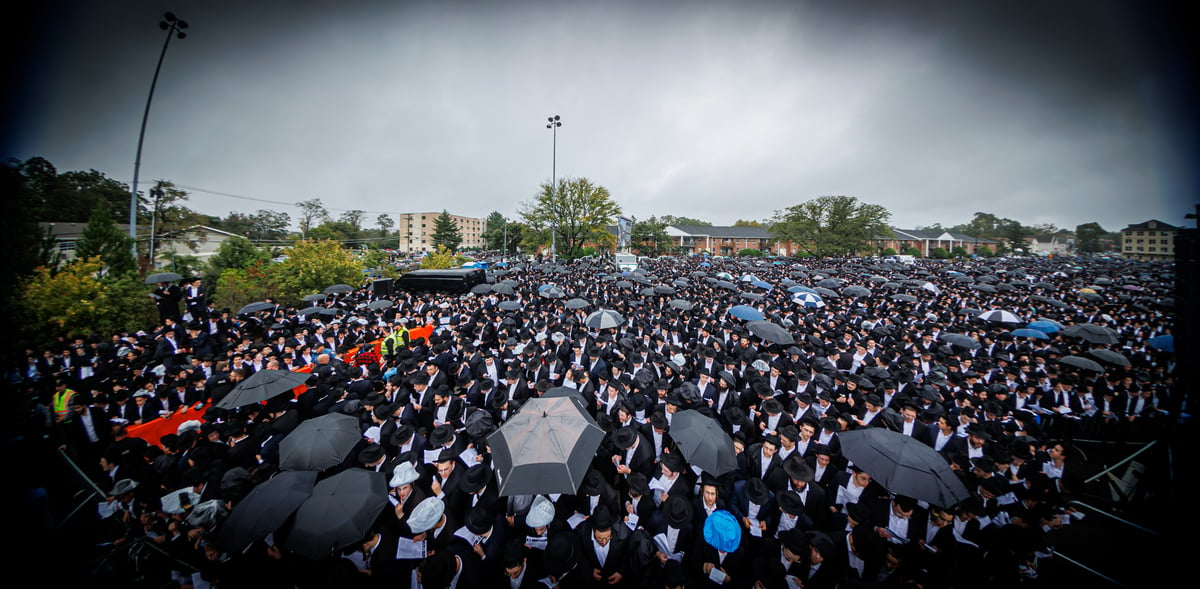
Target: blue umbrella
x,y
1044,326
1165,343
1030,333
722,531
746,313
762,284
705,264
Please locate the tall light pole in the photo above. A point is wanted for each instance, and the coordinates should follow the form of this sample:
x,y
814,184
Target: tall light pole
x,y
174,28
504,253
553,125
156,193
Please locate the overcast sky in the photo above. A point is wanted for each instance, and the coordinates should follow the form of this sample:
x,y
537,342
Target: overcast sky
x,y
1046,111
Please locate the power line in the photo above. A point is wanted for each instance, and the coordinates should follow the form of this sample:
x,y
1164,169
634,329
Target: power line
x,y
276,202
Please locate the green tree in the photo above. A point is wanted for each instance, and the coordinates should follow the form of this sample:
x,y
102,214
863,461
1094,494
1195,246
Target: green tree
x,y
986,252
751,252
310,210
493,232
1014,234
912,251
102,239
311,266
442,258
354,218
446,232
748,223
650,238
677,221
888,252
577,211
237,253
832,225
238,287
262,225
939,253
78,300
70,197
959,251
385,224
1088,236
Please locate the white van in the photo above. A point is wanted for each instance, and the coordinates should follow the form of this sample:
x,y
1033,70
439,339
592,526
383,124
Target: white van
x,y
625,262
903,259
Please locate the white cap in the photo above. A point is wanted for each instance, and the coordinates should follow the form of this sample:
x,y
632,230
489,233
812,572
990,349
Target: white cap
x,y
541,513
426,515
403,474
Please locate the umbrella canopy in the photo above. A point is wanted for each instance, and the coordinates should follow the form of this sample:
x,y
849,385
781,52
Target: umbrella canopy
x,y
762,284
963,341
903,465
1029,333
703,443
481,288
856,291
509,305
577,304
255,307
664,290
503,288
999,316
826,293
604,319
830,283
624,284
1109,357
311,310
770,332
266,508
339,512
1044,326
319,443
551,292
904,298
379,305
800,288
1092,333
313,297
727,285
808,299
545,448
1082,363
162,277
338,289
681,304
1165,343
746,313
262,385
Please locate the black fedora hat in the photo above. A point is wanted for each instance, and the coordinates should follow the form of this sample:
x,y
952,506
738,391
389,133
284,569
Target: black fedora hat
x,y
757,492
477,477
798,469
677,511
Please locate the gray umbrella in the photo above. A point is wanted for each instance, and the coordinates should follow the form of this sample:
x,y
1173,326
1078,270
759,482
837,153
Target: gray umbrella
x,y
1091,333
319,443
1082,363
262,385
339,512
856,291
753,296
265,508
903,465
551,292
313,297
963,341
770,332
830,283
379,305
624,284
904,298
647,292
604,319
1110,357
703,443
503,288
255,307
162,277
509,305
338,289
826,293
664,290
481,288
546,447
985,288
577,304
727,285
310,311
681,304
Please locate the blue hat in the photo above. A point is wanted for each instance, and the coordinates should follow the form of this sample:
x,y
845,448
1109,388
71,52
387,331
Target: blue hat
x,y
721,531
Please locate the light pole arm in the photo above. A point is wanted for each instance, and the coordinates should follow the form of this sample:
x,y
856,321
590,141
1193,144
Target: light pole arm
x,y
137,161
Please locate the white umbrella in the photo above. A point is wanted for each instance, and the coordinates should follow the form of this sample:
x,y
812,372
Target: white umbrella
x,y
604,319
808,299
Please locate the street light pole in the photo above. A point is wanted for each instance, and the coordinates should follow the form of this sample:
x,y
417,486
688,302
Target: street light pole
x,y
174,28
156,193
554,124
504,254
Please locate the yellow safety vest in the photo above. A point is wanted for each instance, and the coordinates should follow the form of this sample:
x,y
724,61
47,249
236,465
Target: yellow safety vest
x,y
62,405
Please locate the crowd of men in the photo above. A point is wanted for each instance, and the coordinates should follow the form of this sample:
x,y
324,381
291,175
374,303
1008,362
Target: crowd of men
x,y
794,513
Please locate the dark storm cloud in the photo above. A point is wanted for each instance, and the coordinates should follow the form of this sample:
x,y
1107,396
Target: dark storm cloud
x,y
1041,111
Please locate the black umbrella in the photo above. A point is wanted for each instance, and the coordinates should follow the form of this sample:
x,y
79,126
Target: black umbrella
x,y
551,292
752,296
546,447
770,332
503,288
577,304
830,283
1109,356
903,465
960,340
856,291
255,307
265,508
604,319
313,297
509,305
647,292
162,277
1091,333
379,305
481,288
727,285
681,304
703,443
904,298
262,385
1082,363
311,310
624,284
339,512
338,289
664,290
319,443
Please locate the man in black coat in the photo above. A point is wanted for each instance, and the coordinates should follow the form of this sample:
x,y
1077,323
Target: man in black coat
x,y
605,550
